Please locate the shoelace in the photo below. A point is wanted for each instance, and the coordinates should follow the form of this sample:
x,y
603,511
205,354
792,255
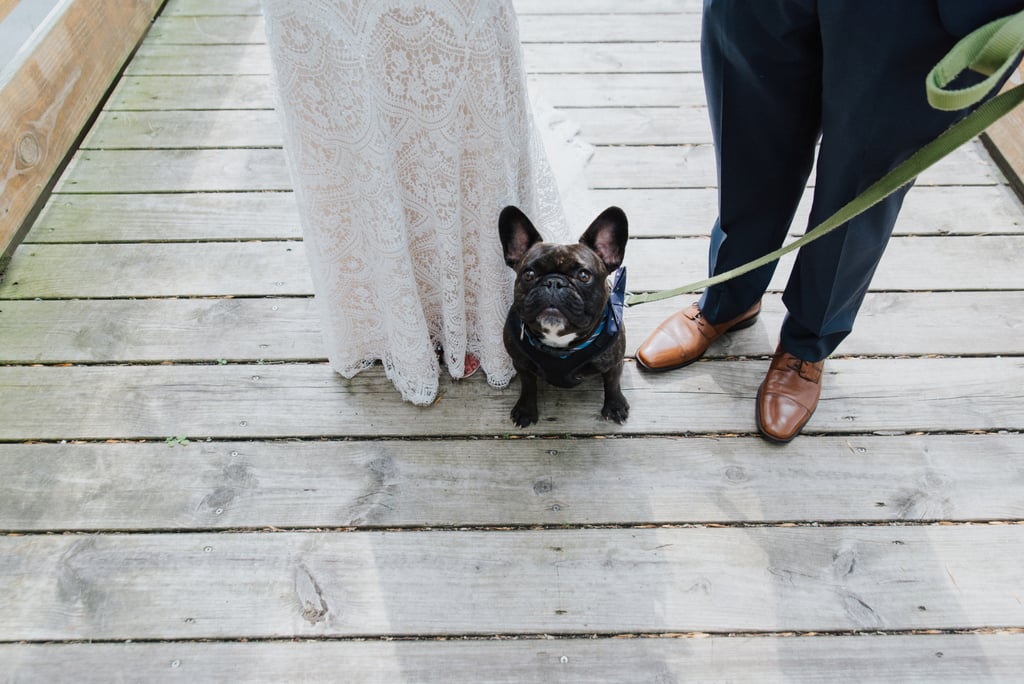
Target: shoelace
x,y
807,370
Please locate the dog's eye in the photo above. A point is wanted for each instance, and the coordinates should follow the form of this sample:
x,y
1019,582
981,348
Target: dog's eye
x,y
584,276
529,274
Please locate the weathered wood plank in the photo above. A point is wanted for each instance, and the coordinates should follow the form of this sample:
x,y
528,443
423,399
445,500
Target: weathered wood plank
x,y
620,90
215,128
271,401
154,59
607,28
191,60
910,263
924,659
191,92
119,171
629,129
154,330
561,90
672,212
642,125
927,210
888,324
185,130
226,170
280,268
605,58
607,7
232,485
49,96
288,329
208,29
167,217
533,28
205,8
154,270
538,581
694,166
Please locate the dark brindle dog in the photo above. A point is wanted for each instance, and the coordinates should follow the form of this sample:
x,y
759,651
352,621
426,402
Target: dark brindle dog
x,y
566,318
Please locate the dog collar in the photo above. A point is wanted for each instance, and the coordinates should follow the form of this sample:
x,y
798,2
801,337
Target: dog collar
x,y
561,366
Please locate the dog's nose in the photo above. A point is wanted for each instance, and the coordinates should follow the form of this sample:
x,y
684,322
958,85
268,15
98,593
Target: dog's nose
x,y
555,281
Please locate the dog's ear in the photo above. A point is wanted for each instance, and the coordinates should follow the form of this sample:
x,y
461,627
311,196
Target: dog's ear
x,y
517,235
607,236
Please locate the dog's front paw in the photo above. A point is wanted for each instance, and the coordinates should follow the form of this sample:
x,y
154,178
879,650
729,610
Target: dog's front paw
x,y
524,413
615,408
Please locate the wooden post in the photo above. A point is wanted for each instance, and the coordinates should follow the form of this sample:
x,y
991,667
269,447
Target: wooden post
x,y
5,7
51,94
1005,139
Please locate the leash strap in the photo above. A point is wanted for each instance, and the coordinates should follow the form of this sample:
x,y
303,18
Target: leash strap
x,y
991,50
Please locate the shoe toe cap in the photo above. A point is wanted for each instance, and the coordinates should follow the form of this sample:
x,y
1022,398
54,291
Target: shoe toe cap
x,y
780,417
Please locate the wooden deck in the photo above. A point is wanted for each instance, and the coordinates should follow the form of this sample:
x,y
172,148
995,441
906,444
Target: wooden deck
x,y
188,493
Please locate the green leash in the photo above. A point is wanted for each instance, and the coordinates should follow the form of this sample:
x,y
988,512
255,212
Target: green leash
x,y
991,50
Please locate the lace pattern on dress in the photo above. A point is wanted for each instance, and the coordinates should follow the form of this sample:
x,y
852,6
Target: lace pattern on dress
x,y
407,128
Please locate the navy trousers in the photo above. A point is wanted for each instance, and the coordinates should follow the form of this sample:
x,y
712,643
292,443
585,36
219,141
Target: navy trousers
x,y
780,75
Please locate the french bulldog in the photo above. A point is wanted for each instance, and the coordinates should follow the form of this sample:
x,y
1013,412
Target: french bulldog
x,y
565,323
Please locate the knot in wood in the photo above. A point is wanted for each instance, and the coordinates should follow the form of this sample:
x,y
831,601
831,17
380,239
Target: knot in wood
x,y
28,150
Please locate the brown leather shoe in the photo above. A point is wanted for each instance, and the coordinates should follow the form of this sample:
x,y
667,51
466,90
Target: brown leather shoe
x,y
683,337
788,396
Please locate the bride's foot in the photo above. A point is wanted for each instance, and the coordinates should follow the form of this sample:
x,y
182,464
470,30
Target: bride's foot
x,y
470,363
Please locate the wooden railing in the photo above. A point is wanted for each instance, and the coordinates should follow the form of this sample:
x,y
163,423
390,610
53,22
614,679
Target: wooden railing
x,y
1005,140
51,90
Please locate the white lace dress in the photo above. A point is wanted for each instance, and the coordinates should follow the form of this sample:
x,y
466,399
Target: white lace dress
x,y
407,128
